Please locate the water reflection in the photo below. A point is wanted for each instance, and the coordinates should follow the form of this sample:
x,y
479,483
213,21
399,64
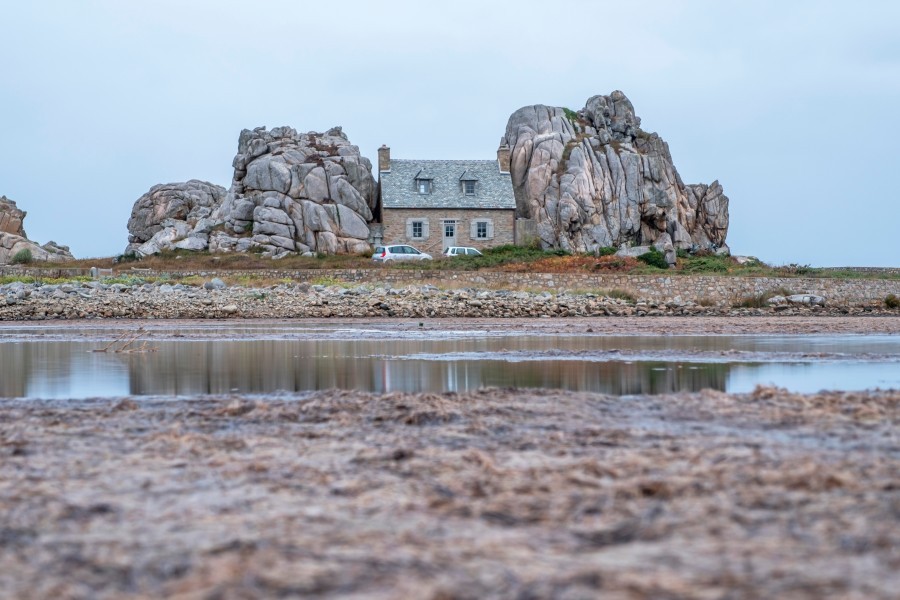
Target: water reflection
x,y
69,369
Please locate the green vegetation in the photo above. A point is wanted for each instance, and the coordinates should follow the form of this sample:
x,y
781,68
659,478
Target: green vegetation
x,y
706,264
571,115
654,258
492,257
22,257
892,301
169,265
328,281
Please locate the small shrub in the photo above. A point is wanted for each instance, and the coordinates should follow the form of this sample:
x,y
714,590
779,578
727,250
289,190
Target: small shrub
x,y
22,257
126,258
654,258
706,302
892,301
571,115
606,251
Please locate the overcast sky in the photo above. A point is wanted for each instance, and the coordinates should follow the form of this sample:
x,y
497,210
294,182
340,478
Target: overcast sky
x,y
793,106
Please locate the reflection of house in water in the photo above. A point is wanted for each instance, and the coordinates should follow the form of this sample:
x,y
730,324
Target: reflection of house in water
x,y
70,370
258,366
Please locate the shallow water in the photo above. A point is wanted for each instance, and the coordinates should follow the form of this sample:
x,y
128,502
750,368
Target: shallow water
x,y
63,362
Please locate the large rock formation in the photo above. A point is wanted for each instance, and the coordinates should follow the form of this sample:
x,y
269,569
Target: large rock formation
x,y
595,179
13,239
174,215
291,193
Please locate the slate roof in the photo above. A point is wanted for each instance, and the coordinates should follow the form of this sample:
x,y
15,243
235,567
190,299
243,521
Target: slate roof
x,y
493,189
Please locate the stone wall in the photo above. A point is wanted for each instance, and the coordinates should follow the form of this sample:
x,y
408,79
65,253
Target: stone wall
x,y
722,291
395,227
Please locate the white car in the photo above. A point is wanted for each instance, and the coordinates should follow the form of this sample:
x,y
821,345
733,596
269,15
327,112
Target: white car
x,y
398,252
461,251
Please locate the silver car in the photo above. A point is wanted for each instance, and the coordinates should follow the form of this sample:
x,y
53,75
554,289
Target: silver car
x,y
385,254
461,251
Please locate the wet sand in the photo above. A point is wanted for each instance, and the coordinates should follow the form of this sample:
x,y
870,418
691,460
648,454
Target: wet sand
x,y
492,494
705,325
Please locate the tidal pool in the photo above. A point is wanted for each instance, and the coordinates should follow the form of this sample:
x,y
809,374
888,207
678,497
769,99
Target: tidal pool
x,y
39,361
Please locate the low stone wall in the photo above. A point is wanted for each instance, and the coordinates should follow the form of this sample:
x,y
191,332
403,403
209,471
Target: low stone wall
x,y
722,291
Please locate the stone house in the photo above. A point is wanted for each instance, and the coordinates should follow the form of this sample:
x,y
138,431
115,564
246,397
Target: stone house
x,y
435,204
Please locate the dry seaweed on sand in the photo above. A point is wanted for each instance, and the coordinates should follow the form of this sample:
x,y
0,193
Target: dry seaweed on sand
x,y
495,493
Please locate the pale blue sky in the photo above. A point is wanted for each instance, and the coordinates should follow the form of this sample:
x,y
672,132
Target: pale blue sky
x,y
791,105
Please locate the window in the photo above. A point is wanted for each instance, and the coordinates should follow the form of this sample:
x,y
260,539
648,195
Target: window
x,y
416,228
449,229
423,185
469,188
481,229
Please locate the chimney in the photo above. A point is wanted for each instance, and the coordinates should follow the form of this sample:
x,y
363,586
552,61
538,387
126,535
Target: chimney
x,y
503,156
384,158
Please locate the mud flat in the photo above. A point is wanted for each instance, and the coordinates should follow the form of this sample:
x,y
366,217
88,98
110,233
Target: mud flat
x,y
496,493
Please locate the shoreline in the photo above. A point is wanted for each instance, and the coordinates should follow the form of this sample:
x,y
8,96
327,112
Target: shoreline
x,y
813,324
291,300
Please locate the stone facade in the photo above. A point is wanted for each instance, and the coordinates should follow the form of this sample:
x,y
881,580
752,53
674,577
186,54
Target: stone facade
x,y
499,228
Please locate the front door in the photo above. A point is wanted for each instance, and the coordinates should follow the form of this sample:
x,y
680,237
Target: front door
x,y
449,234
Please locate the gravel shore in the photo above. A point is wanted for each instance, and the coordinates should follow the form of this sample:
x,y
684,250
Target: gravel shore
x,y
20,301
493,494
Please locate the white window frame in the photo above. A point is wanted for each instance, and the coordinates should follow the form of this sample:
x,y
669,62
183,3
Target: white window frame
x,y
481,230
476,224
424,186
465,184
410,228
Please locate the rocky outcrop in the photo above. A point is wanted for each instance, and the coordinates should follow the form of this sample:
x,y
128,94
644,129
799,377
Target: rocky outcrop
x,y
291,193
13,239
303,193
174,215
11,218
594,178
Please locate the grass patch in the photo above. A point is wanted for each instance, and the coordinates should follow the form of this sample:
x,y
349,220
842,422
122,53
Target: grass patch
x,y
500,256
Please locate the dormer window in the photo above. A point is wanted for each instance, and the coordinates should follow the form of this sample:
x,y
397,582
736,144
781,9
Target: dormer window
x,y
424,182
467,183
